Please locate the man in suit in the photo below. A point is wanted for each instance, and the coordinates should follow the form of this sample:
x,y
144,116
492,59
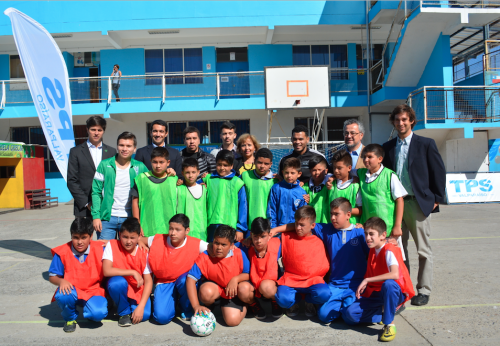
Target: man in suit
x,y
420,168
159,131
83,162
353,135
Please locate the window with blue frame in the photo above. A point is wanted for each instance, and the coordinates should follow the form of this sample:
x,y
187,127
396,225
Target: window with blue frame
x,y
333,55
178,65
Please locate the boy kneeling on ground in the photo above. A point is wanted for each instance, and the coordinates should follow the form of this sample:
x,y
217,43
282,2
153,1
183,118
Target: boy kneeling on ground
x,y
387,284
77,269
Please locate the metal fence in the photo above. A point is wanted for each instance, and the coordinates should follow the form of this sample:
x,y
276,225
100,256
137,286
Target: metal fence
x,y
464,73
461,3
491,61
223,85
458,104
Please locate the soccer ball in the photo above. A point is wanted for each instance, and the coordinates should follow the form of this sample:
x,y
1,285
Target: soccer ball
x,y
203,324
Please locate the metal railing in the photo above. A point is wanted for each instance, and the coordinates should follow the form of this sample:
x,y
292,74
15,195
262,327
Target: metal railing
x,y
491,61
220,85
461,4
472,70
440,104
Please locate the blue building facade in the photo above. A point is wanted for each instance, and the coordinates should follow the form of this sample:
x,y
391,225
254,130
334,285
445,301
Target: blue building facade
x,y
201,63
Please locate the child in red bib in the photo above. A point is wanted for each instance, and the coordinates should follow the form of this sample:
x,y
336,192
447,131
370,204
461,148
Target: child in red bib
x,y
170,257
263,254
130,281
223,268
305,264
387,284
77,269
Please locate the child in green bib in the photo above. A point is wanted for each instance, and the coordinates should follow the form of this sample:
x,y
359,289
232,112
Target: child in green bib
x,y
154,195
342,186
192,199
316,191
258,183
227,198
381,191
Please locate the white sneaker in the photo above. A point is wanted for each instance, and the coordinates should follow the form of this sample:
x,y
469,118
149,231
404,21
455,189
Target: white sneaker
x,y
310,309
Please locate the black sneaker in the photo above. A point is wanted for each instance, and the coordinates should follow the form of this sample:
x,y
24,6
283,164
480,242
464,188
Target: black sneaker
x,y
69,327
125,321
277,311
400,309
420,299
258,311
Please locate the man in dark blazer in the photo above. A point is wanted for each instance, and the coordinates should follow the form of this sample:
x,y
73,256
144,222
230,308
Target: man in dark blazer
x,y
420,168
83,162
159,131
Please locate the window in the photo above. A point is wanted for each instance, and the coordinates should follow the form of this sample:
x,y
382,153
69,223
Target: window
x,y
7,172
335,127
209,130
174,61
34,135
309,123
334,56
16,69
232,54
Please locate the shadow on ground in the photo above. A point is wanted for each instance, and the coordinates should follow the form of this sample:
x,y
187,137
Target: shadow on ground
x,y
27,247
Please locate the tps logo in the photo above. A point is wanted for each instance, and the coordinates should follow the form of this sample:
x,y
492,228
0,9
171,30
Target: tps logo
x,y
484,185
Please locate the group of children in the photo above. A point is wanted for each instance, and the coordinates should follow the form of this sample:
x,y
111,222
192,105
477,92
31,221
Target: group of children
x,y
327,259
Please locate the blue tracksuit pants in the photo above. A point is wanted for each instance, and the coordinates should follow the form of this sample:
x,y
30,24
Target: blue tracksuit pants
x,y
94,309
286,297
166,296
340,299
117,288
380,306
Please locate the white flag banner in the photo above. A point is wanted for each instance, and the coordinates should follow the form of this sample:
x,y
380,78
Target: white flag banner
x,y
47,78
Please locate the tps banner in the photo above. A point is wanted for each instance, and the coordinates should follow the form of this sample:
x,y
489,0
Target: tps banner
x,y
473,187
47,78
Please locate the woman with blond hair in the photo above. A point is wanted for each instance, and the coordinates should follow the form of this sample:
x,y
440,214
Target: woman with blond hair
x,y
247,145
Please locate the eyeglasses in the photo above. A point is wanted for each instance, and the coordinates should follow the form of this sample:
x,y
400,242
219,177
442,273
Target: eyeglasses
x,y
346,134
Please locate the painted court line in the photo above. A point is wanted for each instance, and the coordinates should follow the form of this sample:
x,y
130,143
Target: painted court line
x,y
407,309
12,266
464,238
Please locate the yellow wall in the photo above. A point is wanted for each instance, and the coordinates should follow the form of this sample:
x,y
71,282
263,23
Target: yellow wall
x,y
12,189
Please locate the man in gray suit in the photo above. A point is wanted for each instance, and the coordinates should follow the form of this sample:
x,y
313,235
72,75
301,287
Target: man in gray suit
x,y
83,162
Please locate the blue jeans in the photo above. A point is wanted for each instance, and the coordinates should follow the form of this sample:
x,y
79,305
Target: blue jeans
x,y
110,228
380,306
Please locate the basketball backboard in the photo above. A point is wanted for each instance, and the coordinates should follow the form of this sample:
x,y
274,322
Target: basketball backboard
x,y
291,87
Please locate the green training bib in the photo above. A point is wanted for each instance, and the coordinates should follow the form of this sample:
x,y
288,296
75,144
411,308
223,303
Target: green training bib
x,y
349,193
377,197
320,202
258,191
195,210
222,194
157,203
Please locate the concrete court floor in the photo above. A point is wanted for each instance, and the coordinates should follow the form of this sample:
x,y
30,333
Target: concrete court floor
x,y
464,308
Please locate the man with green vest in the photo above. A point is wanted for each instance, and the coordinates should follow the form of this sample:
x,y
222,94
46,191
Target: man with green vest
x,y
227,199
192,199
154,195
114,177
258,184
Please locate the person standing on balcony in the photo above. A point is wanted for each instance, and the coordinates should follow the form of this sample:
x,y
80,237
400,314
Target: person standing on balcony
x,y
83,162
421,170
206,162
159,132
300,140
353,135
227,135
117,76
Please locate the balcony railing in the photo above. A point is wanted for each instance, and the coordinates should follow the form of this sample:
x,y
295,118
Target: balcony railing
x,y
474,104
223,85
461,3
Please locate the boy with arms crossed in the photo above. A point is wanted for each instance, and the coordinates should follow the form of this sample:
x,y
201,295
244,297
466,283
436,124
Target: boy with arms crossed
x,y
130,281
223,268
154,195
77,269
387,284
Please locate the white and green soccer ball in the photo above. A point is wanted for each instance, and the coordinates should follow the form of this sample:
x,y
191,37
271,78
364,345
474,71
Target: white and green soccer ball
x,y
203,324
